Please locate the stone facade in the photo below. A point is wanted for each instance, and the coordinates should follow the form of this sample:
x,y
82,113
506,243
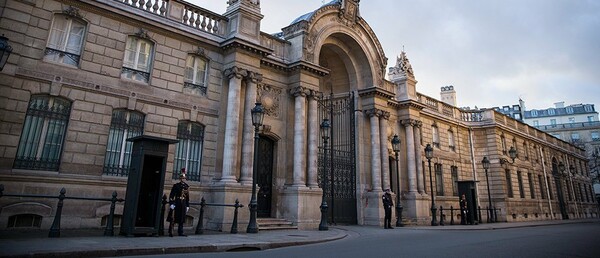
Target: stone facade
x,y
329,52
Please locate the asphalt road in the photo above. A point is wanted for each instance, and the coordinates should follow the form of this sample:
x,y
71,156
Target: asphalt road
x,y
568,240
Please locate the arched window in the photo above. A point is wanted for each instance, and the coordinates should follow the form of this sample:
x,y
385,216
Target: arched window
x,y
195,73
123,125
24,221
65,40
43,133
138,59
188,151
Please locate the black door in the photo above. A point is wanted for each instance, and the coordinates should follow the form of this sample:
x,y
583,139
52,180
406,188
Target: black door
x,y
149,191
468,189
264,178
338,162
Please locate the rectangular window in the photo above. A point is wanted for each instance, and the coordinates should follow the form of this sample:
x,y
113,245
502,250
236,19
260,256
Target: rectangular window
x,y
509,189
590,118
536,123
65,40
195,73
596,136
43,133
553,122
188,151
531,185
439,180
138,59
436,136
575,137
454,174
451,140
520,181
571,120
569,191
542,188
123,125
517,116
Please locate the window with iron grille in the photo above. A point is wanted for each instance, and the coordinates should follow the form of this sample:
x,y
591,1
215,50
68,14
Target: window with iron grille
x,y
509,187
439,180
138,59
188,151
195,73
123,125
65,40
454,174
520,181
43,133
24,221
542,188
531,185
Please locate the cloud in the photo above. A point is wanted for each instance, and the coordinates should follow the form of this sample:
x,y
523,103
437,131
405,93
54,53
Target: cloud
x,y
493,52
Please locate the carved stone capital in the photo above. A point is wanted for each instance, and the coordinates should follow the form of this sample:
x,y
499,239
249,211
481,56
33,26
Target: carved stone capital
x,y
316,95
409,122
236,72
299,91
254,77
376,112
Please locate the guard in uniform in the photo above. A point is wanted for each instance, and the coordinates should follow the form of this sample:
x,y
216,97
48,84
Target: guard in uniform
x,y
387,205
464,211
179,200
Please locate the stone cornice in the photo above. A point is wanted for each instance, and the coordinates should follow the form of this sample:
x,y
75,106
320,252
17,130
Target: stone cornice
x,y
406,104
377,92
237,43
300,91
236,72
296,66
377,112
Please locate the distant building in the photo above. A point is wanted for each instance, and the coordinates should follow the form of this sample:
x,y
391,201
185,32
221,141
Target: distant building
x,y
448,95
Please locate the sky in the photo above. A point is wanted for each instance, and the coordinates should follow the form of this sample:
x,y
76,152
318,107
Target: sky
x,y
493,52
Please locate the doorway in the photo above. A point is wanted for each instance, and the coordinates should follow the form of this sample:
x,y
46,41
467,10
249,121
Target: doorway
x,y
264,177
149,191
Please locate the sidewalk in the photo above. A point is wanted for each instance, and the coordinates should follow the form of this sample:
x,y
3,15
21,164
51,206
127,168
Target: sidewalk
x,y
95,246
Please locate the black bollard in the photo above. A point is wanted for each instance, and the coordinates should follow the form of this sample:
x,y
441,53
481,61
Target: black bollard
x,y
1,190
110,229
441,216
200,227
479,213
451,215
55,229
234,229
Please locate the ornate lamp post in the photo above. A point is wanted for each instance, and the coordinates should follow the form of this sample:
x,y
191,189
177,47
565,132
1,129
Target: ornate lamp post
x,y
258,114
325,133
396,148
513,155
429,155
5,50
486,165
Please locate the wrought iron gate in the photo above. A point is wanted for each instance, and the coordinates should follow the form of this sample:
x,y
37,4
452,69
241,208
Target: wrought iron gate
x,y
264,178
339,164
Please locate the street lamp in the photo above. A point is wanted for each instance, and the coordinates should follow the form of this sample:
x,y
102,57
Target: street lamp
x,y
396,148
5,50
258,114
429,155
325,133
486,165
513,155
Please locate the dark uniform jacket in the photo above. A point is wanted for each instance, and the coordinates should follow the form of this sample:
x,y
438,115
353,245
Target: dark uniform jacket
x,y
387,201
180,197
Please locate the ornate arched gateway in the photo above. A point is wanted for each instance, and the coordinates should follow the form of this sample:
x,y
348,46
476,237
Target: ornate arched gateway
x,y
340,41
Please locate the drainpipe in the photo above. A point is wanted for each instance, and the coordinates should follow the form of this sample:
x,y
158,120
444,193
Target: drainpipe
x,y
473,163
546,180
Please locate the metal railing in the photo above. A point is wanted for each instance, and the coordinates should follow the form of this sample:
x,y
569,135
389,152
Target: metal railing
x,y
55,228
491,214
203,204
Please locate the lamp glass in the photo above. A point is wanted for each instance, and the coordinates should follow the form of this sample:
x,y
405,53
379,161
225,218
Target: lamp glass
x,y
512,152
396,143
258,114
428,151
486,163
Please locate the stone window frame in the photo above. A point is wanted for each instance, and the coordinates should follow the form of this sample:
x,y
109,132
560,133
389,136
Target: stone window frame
x,y
439,179
509,186
531,185
133,70
435,135
451,140
59,48
194,83
521,186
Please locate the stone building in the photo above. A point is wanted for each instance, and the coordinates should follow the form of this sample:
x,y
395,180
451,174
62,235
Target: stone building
x,y
87,75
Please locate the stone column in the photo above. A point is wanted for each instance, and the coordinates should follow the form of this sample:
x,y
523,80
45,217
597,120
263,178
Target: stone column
x,y
385,163
419,157
410,155
374,115
299,170
248,133
313,137
230,150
